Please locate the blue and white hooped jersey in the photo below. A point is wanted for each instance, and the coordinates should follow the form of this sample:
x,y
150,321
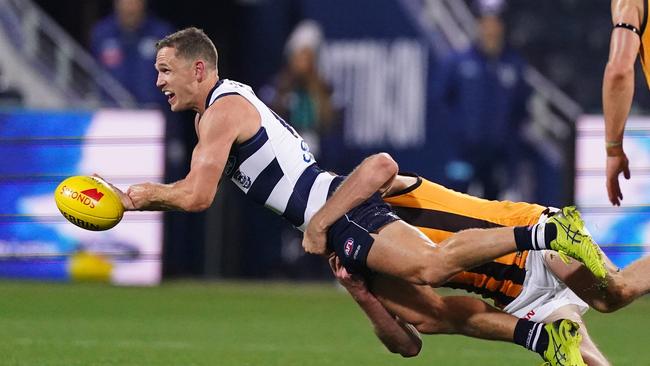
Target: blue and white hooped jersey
x,y
275,167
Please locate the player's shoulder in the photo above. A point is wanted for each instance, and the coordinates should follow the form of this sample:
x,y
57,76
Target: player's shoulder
x,y
229,85
230,108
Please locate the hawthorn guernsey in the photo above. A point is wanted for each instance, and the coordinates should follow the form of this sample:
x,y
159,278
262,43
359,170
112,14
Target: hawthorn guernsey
x,y
89,203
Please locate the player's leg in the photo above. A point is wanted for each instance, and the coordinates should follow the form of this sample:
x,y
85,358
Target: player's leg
x,y
590,352
403,251
623,286
431,313
372,236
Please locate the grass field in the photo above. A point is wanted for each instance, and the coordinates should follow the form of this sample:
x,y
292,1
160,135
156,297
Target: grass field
x,y
195,323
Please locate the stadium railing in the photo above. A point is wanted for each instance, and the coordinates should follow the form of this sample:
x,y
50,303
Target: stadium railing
x,y
64,74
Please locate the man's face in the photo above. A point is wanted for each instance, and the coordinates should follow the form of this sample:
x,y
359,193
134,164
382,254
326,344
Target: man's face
x,y
130,13
176,79
491,34
302,62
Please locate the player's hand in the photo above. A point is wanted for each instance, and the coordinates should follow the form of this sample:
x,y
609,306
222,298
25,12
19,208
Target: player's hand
x,y
616,165
353,283
140,195
127,203
314,240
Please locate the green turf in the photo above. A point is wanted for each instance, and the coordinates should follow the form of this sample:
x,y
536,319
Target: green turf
x,y
193,323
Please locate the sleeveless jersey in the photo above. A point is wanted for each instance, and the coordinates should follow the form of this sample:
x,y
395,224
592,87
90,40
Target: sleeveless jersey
x,y
275,167
439,212
644,50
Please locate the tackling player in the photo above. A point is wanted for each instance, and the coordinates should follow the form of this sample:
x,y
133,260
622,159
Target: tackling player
x,y
537,286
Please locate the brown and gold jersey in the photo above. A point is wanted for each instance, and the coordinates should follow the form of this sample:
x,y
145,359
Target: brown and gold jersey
x,y
439,212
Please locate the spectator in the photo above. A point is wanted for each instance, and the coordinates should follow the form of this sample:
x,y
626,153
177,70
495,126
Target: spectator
x,y
299,93
124,43
485,94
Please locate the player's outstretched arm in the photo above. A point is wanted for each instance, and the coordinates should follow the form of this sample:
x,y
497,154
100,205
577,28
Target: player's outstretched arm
x,y
217,132
396,335
374,174
618,90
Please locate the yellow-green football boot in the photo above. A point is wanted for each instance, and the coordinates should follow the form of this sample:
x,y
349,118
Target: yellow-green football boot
x,y
563,344
574,240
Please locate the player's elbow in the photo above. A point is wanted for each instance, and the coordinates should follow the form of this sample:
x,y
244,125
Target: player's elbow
x,y
618,71
198,206
407,349
616,297
198,202
383,165
412,350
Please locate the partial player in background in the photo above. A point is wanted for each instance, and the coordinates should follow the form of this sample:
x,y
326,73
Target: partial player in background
x,y
514,282
629,18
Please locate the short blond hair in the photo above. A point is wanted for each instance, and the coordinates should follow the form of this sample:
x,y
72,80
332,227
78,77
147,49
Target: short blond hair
x,y
191,44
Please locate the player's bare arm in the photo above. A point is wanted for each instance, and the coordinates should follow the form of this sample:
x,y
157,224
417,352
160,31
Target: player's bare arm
x,y
618,88
375,173
396,335
431,313
229,120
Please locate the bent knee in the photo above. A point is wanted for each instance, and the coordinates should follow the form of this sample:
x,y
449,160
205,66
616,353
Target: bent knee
x,y
433,269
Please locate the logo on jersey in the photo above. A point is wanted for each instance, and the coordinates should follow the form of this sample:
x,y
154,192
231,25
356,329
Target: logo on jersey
x,y
242,179
230,165
347,248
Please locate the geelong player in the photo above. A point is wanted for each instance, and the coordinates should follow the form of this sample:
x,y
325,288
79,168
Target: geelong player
x,y
241,138
629,18
536,286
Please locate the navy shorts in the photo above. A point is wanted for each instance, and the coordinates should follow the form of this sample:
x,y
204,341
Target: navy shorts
x,y
349,237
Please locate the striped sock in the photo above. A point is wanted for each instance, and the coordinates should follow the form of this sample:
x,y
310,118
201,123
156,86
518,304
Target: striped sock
x,y
531,335
536,237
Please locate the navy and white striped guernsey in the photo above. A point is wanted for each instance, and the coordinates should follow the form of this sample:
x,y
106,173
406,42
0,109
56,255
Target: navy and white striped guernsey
x,y
275,167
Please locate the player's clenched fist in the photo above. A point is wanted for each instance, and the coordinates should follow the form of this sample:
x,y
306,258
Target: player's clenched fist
x,y
140,195
124,198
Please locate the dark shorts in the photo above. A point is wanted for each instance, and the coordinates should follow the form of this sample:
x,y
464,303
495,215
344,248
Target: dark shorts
x,y
350,236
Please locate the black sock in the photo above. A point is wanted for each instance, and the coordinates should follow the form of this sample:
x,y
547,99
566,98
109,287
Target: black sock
x,y
531,335
536,237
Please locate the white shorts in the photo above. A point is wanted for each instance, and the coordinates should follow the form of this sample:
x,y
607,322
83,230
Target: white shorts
x,y
542,292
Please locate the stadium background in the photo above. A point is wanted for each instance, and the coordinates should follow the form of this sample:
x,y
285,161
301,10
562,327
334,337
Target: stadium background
x,y
565,43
